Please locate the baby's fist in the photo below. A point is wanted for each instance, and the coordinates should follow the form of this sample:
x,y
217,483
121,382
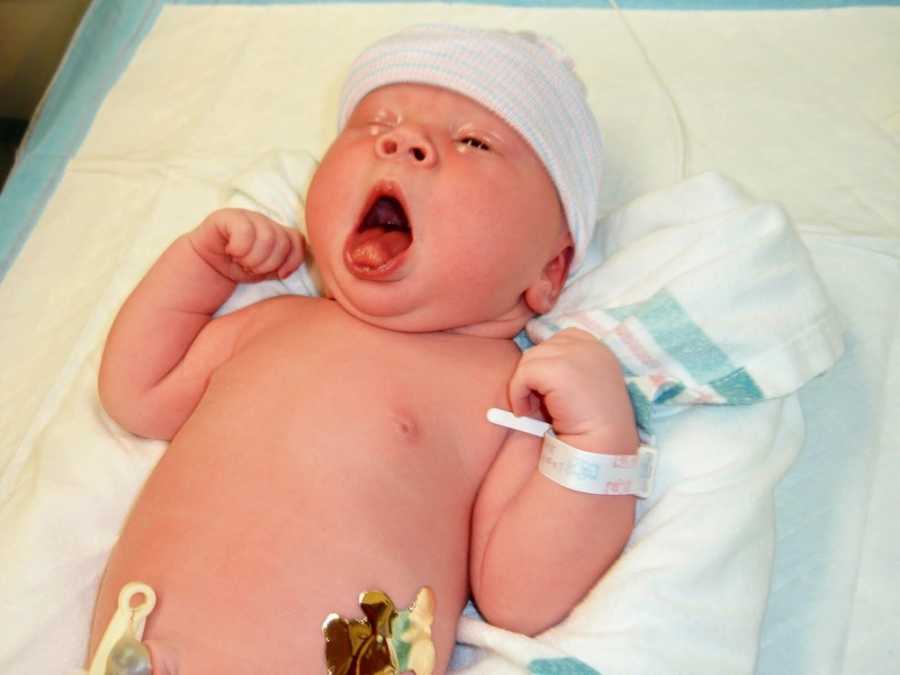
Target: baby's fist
x,y
579,382
245,245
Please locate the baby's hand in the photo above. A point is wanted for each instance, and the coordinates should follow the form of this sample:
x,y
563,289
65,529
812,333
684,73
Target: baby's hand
x,y
578,381
247,246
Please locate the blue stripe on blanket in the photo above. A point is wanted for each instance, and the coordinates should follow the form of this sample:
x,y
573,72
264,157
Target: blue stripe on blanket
x,y
738,388
642,406
675,337
684,341
566,666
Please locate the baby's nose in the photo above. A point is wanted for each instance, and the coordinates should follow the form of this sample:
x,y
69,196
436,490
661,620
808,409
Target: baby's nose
x,y
406,143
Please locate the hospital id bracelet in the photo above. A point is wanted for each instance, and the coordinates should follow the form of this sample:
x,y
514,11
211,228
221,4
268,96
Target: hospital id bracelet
x,y
582,471
598,474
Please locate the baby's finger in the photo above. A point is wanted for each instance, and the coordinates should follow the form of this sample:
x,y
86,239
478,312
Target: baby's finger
x,y
239,234
279,252
295,255
522,401
527,387
263,244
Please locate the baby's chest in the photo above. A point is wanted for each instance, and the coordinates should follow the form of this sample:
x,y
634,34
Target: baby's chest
x,y
371,396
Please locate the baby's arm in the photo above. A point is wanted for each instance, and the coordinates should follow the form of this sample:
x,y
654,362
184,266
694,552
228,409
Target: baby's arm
x,y
538,547
163,345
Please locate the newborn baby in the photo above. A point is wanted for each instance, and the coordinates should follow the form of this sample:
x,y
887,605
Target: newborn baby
x,y
326,447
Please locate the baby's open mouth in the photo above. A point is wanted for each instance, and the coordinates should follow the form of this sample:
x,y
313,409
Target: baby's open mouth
x,y
382,235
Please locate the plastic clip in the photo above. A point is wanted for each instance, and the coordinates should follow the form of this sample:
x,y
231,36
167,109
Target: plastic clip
x,y
120,651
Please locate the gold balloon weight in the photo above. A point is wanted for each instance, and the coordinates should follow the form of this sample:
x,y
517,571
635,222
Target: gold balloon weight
x,y
386,642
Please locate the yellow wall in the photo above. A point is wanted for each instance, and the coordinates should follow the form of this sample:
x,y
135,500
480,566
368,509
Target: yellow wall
x,y
33,39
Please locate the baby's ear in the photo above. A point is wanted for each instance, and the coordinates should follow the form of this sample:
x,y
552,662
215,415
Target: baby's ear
x,y
544,292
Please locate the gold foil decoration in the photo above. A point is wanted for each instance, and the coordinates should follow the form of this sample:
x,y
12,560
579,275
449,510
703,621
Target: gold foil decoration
x,y
385,642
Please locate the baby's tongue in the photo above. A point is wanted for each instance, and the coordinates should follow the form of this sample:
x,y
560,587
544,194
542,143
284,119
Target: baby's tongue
x,y
374,247
383,235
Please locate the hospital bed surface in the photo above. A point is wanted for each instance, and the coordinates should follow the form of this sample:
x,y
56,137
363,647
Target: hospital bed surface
x,y
159,106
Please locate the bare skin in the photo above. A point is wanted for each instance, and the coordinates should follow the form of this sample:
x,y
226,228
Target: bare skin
x,y
364,480
322,447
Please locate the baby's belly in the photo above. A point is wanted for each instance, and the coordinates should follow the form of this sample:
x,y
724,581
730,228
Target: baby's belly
x,y
253,529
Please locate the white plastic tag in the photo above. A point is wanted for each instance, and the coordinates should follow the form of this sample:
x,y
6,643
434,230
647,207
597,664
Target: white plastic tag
x,y
529,425
582,471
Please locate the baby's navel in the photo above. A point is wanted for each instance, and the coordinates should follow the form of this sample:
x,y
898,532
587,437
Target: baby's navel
x,y
405,426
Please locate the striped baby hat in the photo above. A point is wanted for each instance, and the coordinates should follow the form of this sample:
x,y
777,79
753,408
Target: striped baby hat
x,y
526,79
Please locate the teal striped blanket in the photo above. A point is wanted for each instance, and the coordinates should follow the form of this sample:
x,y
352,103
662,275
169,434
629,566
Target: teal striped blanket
x,y
706,298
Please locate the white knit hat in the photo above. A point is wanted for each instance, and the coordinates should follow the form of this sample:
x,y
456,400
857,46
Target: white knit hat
x,y
525,79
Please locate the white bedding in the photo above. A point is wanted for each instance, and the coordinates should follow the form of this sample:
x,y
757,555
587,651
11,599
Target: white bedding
x,y
795,116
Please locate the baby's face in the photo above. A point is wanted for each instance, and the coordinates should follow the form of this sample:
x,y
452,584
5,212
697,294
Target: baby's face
x,y
429,213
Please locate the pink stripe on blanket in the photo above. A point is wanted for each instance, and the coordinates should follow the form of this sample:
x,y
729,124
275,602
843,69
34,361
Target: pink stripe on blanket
x,y
635,347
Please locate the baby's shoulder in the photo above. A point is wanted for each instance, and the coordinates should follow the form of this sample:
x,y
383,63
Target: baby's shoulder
x,y
287,306
272,312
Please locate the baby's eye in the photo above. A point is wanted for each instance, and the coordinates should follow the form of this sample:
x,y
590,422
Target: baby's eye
x,y
474,142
